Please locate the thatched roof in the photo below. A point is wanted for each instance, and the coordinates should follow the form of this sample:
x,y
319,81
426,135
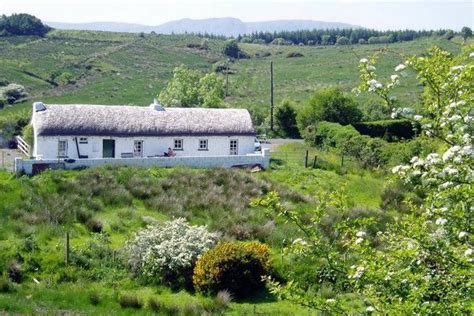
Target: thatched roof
x,y
112,120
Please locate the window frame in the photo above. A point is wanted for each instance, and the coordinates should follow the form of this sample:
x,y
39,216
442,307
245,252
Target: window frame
x,y
206,148
83,140
179,140
136,153
233,151
64,151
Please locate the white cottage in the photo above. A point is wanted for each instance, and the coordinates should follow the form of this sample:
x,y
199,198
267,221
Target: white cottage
x,y
102,131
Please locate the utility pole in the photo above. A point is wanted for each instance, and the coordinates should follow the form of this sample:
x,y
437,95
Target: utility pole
x,y
227,78
271,95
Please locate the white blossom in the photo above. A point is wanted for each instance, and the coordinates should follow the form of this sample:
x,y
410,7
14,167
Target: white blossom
x,y
361,234
370,309
441,221
364,61
394,77
330,300
359,241
371,68
400,67
468,252
462,234
417,117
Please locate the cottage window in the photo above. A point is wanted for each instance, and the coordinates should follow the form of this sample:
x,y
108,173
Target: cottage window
x,y
62,148
203,144
178,144
138,148
83,140
234,147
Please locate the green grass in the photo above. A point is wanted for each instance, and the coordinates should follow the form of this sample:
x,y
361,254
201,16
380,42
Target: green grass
x,y
122,68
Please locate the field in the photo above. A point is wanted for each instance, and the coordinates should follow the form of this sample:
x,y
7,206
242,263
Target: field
x,y
120,68
35,231
101,208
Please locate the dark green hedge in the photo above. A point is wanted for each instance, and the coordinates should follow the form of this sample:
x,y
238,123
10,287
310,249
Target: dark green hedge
x,y
390,130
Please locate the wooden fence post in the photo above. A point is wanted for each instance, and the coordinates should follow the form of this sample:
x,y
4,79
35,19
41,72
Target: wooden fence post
x,y
66,257
314,161
306,159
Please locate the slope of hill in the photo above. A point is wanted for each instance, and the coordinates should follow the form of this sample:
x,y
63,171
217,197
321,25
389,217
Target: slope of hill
x,y
217,26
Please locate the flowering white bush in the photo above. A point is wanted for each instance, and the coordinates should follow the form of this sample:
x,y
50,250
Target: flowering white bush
x,y
425,264
163,251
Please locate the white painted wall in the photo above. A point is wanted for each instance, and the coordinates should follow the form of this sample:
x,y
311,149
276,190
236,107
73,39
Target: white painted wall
x,y
46,147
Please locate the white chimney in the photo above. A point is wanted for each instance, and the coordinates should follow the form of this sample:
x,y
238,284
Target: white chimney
x,y
156,105
38,106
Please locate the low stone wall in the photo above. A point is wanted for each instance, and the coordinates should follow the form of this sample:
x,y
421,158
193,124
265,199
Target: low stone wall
x,y
32,166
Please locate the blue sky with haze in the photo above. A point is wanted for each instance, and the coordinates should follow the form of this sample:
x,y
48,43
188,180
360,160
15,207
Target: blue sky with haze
x,y
379,14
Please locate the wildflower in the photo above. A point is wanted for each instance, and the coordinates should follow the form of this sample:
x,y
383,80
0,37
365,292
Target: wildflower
x,y
370,309
359,241
471,55
462,234
417,117
330,300
446,185
300,241
441,221
361,234
371,68
468,252
455,68
394,77
364,61
400,67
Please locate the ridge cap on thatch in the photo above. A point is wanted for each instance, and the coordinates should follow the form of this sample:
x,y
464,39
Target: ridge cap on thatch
x,y
127,120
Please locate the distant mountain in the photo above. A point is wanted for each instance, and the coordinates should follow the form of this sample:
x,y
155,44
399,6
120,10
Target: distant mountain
x,y
217,26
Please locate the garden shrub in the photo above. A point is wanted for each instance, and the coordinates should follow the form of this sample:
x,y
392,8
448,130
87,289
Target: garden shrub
x,y
237,267
94,225
390,130
328,134
5,286
167,253
13,92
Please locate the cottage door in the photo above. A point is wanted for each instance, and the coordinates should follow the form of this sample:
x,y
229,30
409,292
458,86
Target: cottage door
x,y
108,148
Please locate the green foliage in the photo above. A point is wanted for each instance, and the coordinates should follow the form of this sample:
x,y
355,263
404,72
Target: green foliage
x,y
211,91
390,130
237,267
130,301
285,119
231,49
188,88
13,92
330,105
27,134
466,32
22,24
328,134
342,40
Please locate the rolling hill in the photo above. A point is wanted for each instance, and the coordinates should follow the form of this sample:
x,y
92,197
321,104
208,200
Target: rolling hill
x,y
217,26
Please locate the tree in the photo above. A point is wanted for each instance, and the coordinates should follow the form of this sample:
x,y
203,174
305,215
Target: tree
x,y
466,32
342,40
182,89
22,24
211,91
330,105
285,118
231,49
189,88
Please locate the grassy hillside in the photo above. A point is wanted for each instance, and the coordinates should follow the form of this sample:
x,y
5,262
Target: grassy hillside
x,y
124,68
36,212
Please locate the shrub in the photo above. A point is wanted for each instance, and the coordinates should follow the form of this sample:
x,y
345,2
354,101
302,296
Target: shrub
x,y
14,272
327,134
13,92
390,130
22,24
130,301
94,225
5,286
155,305
342,40
94,298
27,134
168,252
231,49
234,266
329,105
285,119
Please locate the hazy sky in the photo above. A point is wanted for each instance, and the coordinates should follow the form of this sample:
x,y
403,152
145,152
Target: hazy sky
x,y
379,14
